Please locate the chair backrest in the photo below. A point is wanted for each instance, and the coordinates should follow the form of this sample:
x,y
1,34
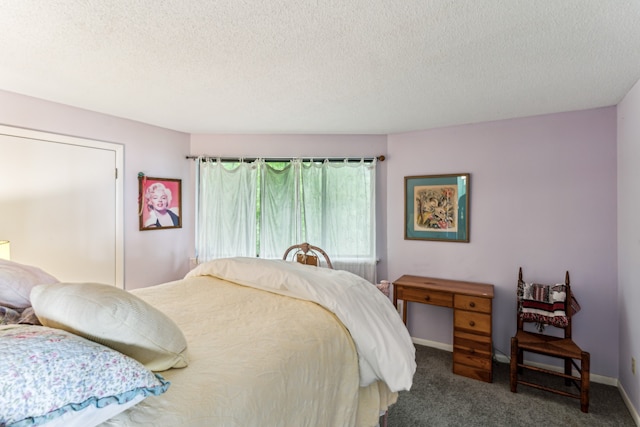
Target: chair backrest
x,y
546,304
305,253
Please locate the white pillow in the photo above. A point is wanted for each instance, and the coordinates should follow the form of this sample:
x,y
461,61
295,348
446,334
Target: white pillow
x,y
16,282
115,318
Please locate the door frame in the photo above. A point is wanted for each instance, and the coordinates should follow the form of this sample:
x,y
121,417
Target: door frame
x,y
118,150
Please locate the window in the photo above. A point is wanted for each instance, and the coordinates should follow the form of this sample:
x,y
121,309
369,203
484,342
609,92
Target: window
x,y
261,208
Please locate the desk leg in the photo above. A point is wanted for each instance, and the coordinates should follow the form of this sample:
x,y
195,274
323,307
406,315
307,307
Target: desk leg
x,y
401,310
404,311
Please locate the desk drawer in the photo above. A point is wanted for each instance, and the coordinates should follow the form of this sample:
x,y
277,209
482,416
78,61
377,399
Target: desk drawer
x,y
473,343
471,321
467,302
474,359
426,296
481,374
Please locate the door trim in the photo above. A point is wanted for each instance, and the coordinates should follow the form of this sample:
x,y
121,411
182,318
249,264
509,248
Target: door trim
x,y
118,150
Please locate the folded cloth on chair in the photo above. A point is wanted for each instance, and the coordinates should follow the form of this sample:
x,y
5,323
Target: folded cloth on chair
x,y
548,300
546,304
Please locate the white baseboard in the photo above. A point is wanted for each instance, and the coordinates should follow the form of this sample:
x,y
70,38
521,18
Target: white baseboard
x,y
627,401
600,379
433,344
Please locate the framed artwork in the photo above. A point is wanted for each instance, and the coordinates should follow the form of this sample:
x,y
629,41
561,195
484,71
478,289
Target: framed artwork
x,y
436,207
160,203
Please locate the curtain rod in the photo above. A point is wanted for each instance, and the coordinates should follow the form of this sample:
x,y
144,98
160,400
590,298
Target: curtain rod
x,y
286,159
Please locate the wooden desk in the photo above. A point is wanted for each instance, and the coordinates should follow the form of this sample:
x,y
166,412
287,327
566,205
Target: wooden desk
x,y
471,303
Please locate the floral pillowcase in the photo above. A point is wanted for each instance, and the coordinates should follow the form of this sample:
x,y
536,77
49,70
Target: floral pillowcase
x,y
47,373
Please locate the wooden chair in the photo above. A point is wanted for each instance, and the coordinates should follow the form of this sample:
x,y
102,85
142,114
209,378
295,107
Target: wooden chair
x,y
305,253
537,305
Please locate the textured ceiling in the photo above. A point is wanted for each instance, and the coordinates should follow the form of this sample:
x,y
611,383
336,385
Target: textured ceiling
x,y
323,66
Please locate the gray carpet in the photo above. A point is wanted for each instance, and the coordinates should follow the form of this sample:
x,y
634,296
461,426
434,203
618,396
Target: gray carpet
x,y
440,398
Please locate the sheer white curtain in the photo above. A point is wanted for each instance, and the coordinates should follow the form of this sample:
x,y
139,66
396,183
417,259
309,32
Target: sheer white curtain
x,y
339,213
279,209
226,209
327,204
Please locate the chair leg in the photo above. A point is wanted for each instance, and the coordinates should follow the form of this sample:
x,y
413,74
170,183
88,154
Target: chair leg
x,y
513,368
584,380
567,370
520,359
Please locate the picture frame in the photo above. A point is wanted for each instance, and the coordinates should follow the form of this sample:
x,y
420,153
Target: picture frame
x,y
437,207
159,203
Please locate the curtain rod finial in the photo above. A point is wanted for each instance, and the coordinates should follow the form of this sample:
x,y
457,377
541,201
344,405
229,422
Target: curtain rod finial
x,y
381,158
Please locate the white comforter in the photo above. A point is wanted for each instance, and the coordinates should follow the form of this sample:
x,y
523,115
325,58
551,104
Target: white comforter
x,y
384,346
256,359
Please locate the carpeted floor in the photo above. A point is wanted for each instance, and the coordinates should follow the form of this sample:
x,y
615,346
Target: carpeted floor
x,y
440,398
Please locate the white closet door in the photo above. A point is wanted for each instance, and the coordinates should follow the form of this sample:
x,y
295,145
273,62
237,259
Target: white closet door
x,y
58,207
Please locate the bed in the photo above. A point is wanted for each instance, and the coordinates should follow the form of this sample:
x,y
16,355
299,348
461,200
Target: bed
x,y
266,343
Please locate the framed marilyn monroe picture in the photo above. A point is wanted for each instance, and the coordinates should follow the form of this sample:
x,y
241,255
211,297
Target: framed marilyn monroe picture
x,y
160,202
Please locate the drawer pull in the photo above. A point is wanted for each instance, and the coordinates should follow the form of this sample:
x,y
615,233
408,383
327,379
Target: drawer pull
x,y
472,304
472,323
427,298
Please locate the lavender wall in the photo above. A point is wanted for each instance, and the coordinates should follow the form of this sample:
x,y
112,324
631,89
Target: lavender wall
x,y
629,242
543,196
151,257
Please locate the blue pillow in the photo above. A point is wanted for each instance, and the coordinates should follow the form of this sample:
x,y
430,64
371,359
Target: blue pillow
x,y
48,372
